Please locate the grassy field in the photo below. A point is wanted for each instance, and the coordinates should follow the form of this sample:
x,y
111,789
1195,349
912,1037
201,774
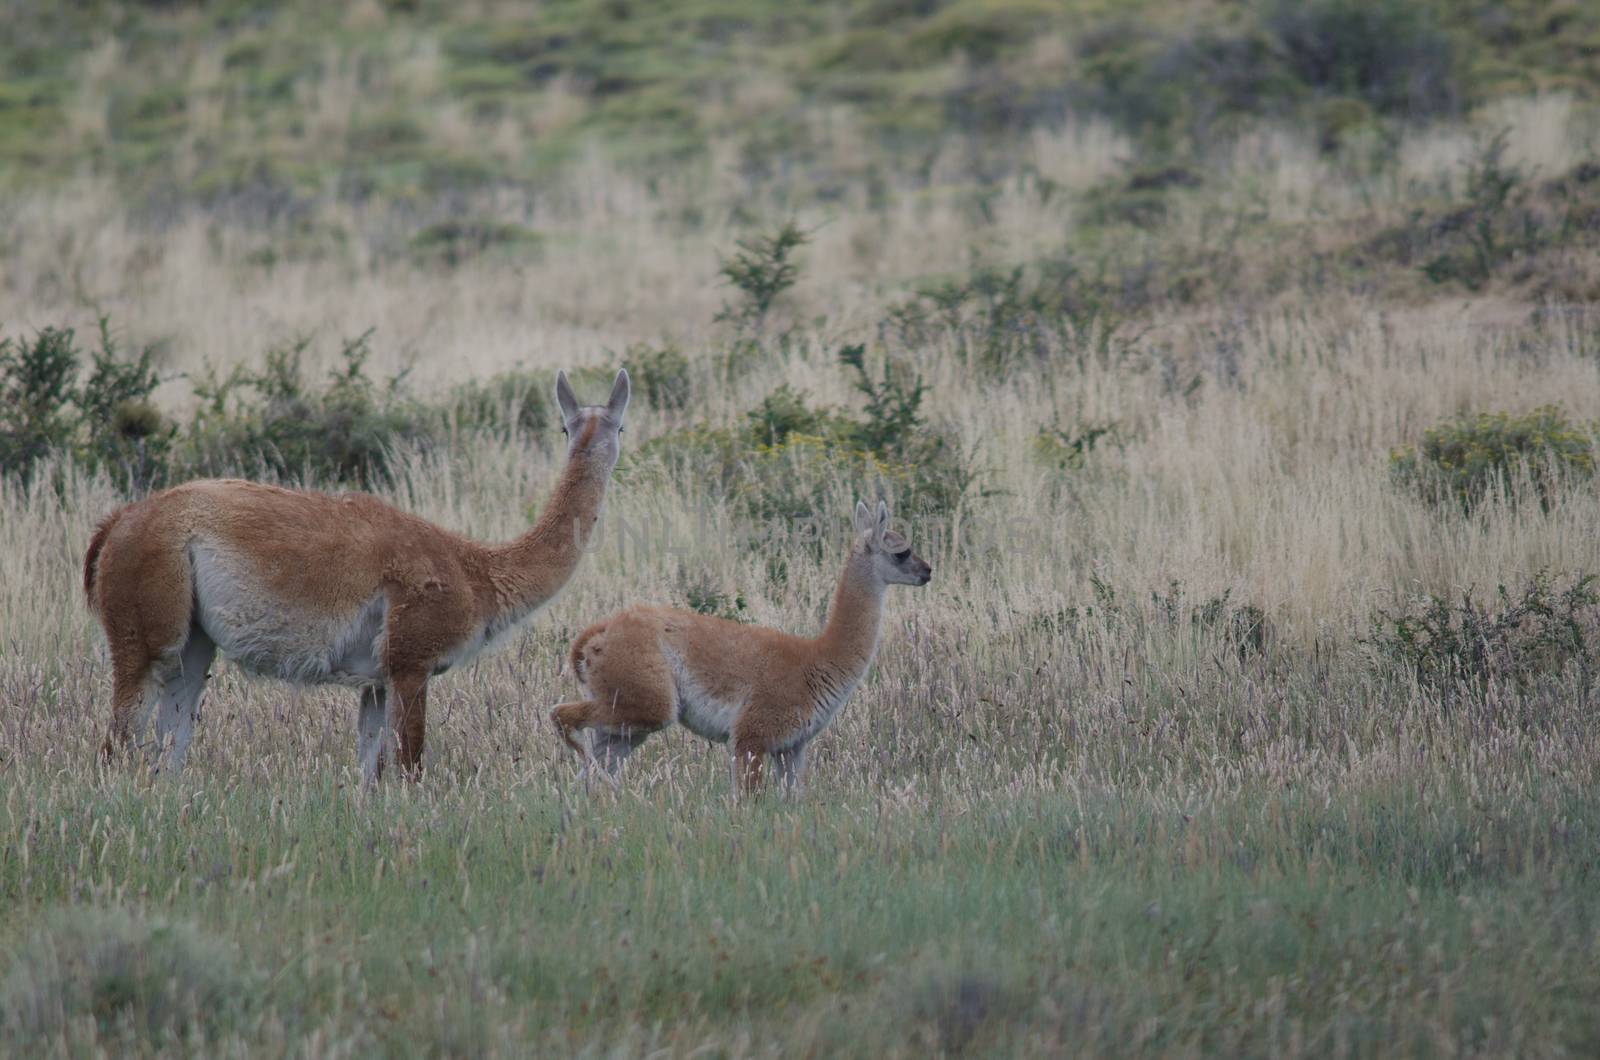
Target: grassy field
x,y
1249,429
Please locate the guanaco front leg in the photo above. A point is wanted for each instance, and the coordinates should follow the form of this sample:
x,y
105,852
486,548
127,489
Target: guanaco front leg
x,y
748,756
791,766
408,720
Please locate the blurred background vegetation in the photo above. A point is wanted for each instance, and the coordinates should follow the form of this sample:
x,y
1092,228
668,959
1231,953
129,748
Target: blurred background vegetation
x,y
260,104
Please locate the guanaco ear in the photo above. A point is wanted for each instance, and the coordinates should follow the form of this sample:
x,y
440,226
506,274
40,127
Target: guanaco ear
x,y
863,517
566,399
883,523
618,403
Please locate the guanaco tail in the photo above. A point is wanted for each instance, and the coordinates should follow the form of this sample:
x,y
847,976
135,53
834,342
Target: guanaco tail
x,y
323,589
766,692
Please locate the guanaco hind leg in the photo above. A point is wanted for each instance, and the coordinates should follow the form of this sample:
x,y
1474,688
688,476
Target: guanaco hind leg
x,y
373,743
177,703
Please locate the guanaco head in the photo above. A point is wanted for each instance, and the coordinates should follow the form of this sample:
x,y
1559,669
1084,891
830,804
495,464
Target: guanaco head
x,y
592,430
891,556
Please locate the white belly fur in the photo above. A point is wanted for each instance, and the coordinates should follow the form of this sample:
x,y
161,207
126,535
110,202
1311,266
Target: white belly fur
x,y
298,646
262,638
697,710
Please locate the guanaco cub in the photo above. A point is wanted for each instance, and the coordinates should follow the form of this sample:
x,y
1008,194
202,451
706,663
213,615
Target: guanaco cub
x,y
768,692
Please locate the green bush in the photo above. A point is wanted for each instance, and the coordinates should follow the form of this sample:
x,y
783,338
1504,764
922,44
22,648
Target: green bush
x,y
761,270
127,974
784,413
1070,450
345,430
1244,628
105,421
787,460
278,421
1469,459
660,374
1537,632
1487,229
517,401
1389,53
704,596
1005,319
451,243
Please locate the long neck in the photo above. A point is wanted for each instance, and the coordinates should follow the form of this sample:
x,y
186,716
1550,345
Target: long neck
x,y
850,638
527,572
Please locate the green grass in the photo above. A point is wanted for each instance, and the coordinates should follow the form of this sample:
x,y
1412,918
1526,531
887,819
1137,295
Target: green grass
x,y
1406,917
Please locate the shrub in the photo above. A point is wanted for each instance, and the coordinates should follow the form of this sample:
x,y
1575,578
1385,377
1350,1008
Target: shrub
x,y
788,462
104,421
784,412
1468,459
702,595
1068,450
1539,630
36,391
1004,319
1485,222
1244,628
345,431
774,485
1388,53
762,269
660,374
124,972
518,401
453,242
936,473
1140,198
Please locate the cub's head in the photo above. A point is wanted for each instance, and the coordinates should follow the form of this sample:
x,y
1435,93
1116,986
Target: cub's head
x,y
891,556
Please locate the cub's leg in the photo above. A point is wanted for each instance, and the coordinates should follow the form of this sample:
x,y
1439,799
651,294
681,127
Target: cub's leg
x,y
631,695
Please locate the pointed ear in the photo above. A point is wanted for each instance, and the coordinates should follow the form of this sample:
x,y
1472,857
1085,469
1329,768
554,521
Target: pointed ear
x,y
863,517
618,402
883,522
566,400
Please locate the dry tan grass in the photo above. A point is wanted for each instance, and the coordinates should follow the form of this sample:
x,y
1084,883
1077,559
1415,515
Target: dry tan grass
x,y
994,741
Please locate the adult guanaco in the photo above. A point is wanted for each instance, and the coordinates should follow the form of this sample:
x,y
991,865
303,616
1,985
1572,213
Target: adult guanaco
x,y
323,589
767,692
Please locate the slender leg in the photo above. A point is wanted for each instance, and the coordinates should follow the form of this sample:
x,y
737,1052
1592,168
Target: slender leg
x,y
145,595
372,743
128,707
747,759
617,726
408,719
570,719
610,749
178,699
791,766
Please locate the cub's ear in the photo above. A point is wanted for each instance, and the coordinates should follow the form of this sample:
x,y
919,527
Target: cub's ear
x,y
883,522
863,517
618,402
566,400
